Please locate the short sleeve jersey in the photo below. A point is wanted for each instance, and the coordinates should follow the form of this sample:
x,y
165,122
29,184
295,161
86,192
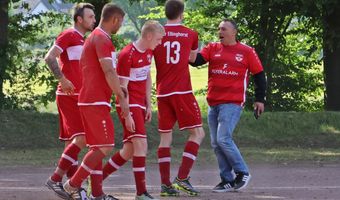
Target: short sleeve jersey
x,y
70,42
95,90
172,59
134,65
229,68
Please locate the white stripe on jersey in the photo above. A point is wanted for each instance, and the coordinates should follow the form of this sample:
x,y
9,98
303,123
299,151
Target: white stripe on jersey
x,y
74,52
139,74
244,87
172,93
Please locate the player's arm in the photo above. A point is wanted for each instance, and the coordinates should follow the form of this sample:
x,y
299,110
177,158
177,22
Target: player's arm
x,y
113,82
129,122
51,60
199,60
193,55
260,92
148,114
260,82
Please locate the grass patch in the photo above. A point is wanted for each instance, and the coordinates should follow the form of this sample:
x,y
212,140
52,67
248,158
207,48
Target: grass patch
x,y
32,138
50,156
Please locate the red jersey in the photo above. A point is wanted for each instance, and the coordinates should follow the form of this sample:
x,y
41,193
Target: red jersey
x,y
134,65
95,90
70,42
172,59
229,68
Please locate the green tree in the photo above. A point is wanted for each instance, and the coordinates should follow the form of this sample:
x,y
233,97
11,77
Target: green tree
x,y
4,20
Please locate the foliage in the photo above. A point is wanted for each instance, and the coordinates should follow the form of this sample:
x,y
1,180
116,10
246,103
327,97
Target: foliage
x,y
29,37
286,42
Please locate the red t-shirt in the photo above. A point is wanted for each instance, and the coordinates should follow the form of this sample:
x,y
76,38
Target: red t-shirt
x,y
134,65
95,90
229,68
172,59
70,42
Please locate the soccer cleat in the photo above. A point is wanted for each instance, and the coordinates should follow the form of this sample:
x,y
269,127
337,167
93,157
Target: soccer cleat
x,y
58,189
224,187
104,197
185,186
145,196
88,188
75,193
168,191
241,181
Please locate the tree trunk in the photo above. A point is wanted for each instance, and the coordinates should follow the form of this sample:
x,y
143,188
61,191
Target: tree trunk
x,y
331,50
3,47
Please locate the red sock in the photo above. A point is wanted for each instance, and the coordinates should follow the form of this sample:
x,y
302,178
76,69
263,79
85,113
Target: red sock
x,y
97,181
188,159
138,164
164,160
72,170
90,161
69,156
113,164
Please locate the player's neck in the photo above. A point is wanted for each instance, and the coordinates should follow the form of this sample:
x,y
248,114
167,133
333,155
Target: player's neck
x,y
79,29
141,45
229,42
105,28
174,21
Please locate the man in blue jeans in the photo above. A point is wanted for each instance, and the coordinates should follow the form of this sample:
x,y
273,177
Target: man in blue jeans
x,y
230,63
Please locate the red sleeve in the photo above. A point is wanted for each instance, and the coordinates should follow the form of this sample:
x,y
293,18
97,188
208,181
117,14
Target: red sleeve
x,y
64,40
205,52
124,63
255,65
195,41
104,47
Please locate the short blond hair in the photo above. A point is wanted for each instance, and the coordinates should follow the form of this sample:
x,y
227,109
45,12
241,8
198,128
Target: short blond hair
x,y
152,26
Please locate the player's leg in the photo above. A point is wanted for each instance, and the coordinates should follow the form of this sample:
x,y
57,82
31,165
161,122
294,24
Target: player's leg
x,y
138,164
189,118
166,120
226,174
99,130
118,159
72,132
229,115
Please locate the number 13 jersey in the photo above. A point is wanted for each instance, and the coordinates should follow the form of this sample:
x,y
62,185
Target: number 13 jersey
x,y
172,60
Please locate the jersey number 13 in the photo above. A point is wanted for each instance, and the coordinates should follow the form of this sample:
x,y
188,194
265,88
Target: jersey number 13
x,y
174,47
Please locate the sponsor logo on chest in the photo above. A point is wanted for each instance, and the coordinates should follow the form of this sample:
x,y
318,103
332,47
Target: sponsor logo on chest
x,y
239,57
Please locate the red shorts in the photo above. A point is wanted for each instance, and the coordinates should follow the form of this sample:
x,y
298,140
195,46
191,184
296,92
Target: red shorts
x,y
70,124
179,107
98,125
138,115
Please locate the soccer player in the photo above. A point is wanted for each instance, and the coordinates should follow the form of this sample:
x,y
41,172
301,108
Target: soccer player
x,y
134,72
68,47
175,98
230,63
99,81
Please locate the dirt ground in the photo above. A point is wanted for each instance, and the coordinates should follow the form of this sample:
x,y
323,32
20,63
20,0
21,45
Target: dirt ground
x,y
298,182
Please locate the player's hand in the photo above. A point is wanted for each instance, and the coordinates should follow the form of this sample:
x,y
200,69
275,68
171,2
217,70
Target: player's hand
x,y
258,109
66,86
148,114
130,123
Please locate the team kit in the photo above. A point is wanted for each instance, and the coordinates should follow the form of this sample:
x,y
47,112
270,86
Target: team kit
x,y
90,71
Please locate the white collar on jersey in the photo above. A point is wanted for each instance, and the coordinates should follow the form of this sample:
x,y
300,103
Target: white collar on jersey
x,y
173,25
78,32
135,45
104,32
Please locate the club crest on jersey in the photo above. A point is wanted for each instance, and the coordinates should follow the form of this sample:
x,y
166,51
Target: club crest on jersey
x,y
149,58
239,57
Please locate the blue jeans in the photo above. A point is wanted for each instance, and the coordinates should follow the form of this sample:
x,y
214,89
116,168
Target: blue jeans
x,y
222,120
